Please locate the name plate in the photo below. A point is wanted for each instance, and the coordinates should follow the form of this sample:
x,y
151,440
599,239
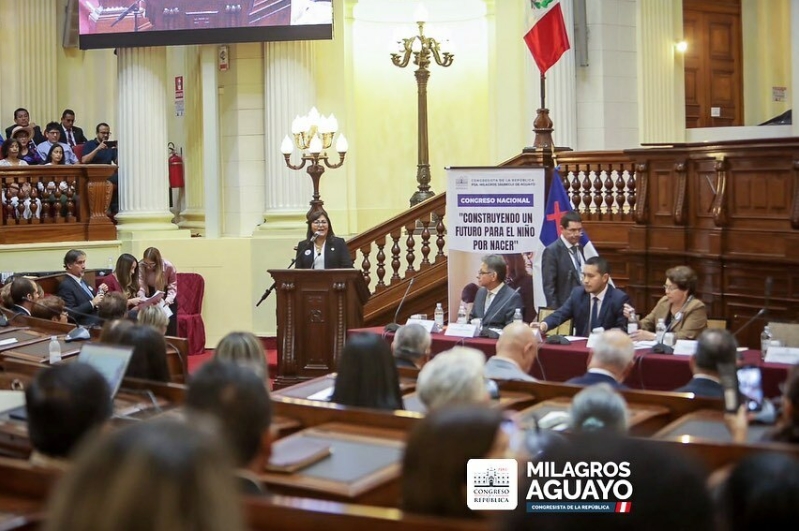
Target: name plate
x,y
684,347
789,355
428,324
461,330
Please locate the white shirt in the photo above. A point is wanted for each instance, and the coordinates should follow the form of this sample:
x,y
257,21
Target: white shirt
x,y
318,258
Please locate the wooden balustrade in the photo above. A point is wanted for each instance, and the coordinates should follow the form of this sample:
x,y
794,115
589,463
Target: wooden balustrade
x,y
55,203
600,184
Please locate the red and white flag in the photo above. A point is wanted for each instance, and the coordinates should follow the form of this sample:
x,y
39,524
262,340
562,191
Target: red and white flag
x,y
547,39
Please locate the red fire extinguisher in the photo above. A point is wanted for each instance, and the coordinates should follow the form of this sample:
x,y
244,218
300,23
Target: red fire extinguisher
x,y
175,167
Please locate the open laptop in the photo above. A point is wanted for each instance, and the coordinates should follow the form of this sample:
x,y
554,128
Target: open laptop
x,y
110,360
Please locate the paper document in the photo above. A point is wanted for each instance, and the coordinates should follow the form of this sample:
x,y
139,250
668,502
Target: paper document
x,y
9,341
157,297
324,394
640,345
11,400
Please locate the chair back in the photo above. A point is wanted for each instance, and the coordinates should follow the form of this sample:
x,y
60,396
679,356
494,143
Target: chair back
x,y
191,289
565,328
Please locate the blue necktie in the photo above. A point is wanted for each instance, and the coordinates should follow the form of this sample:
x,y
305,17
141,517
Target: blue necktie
x,y
594,315
86,288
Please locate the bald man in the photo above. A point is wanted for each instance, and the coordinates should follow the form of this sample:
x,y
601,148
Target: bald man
x,y
610,361
516,351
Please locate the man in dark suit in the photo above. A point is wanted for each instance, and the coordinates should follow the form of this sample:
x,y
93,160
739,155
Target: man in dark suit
x,y
561,263
495,303
610,361
70,134
595,304
80,299
24,293
714,347
411,346
22,118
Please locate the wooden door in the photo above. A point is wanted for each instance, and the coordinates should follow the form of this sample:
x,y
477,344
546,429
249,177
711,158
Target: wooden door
x,y
713,63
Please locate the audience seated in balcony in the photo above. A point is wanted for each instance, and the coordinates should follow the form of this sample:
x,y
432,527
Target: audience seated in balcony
x,y
158,475
438,449
27,149
52,131
11,153
22,119
239,403
453,377
244,349
367,376
65,404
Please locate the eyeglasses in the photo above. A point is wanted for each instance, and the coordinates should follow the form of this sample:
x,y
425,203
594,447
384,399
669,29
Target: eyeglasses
x,y
481,273
670,287
148,265
320,222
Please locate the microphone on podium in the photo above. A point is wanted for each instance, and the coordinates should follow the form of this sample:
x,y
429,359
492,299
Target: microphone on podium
x,y
314,237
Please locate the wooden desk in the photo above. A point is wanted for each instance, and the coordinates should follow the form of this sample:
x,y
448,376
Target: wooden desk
x,y
364,466
707,425
558,363
313,386
510,400
644,419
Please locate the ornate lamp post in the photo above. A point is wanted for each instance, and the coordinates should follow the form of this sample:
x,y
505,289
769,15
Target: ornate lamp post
x,y
422,48
313,134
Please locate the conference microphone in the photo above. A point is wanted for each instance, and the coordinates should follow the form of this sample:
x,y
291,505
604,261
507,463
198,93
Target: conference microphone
x,y
484,330
763,311
314,237
393,327
272,287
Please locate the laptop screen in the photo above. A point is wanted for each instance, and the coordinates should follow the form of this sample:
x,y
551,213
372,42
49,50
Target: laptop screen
x,y
111,361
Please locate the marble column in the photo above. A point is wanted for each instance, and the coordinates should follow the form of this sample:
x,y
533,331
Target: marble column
x,y
290,90
143,168
193,216
661,81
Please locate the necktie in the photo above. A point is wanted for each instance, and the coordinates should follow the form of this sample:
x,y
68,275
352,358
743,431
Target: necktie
x,y
70,138
86,288
489,299
577,259
594,315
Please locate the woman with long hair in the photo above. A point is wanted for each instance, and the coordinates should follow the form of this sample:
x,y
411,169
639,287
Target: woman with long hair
x,y
158,274
159,475
11,153
322,249
55,157
148,361
124,278
243,348
367,375
438,450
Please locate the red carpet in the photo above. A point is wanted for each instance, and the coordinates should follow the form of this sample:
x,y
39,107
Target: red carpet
x,y
270,351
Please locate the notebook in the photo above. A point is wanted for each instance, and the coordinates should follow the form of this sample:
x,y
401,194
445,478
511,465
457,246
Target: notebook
x,y
110,361
291,455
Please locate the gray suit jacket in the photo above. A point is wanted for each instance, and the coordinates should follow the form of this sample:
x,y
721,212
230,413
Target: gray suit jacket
x,y
501,369
558,273
502,308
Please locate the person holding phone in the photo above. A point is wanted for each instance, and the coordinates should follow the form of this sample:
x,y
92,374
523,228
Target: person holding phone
x,y
787,428
100,150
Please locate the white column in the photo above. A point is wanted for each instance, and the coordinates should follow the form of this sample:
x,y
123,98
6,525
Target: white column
x,y
38,49
143,177
193,217
211,173
661,78
561,88
290,90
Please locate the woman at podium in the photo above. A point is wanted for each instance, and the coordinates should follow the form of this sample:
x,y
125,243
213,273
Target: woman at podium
x,y
322,249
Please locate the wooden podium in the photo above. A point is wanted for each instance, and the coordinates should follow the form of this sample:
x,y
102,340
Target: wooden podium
x,y
315,308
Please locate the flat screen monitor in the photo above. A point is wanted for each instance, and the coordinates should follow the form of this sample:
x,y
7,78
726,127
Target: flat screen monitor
x,y
111,361
129,23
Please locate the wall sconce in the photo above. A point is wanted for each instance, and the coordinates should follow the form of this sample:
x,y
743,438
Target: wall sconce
x,y
681,46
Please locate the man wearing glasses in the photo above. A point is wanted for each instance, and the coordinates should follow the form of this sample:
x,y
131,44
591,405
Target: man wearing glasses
x,y
100,150
495,302
562,261
52,132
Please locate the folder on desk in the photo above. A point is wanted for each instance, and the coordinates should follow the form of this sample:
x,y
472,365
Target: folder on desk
x,y
291,455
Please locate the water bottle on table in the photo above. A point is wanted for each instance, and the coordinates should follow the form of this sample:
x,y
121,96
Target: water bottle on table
x,y
462,314
660,330
765,341
517,316
55,350
439,316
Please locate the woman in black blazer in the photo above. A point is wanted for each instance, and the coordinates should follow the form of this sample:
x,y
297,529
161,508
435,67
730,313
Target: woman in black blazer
x,y
322,249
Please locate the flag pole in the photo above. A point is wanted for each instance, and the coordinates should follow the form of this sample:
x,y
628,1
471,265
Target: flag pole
x,y
542,126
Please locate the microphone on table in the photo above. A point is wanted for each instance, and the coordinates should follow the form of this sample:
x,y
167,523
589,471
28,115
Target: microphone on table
x,y
393,326
487,332
763,311
272,287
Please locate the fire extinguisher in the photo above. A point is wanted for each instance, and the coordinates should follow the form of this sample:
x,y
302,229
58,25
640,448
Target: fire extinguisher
x,y
175,167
